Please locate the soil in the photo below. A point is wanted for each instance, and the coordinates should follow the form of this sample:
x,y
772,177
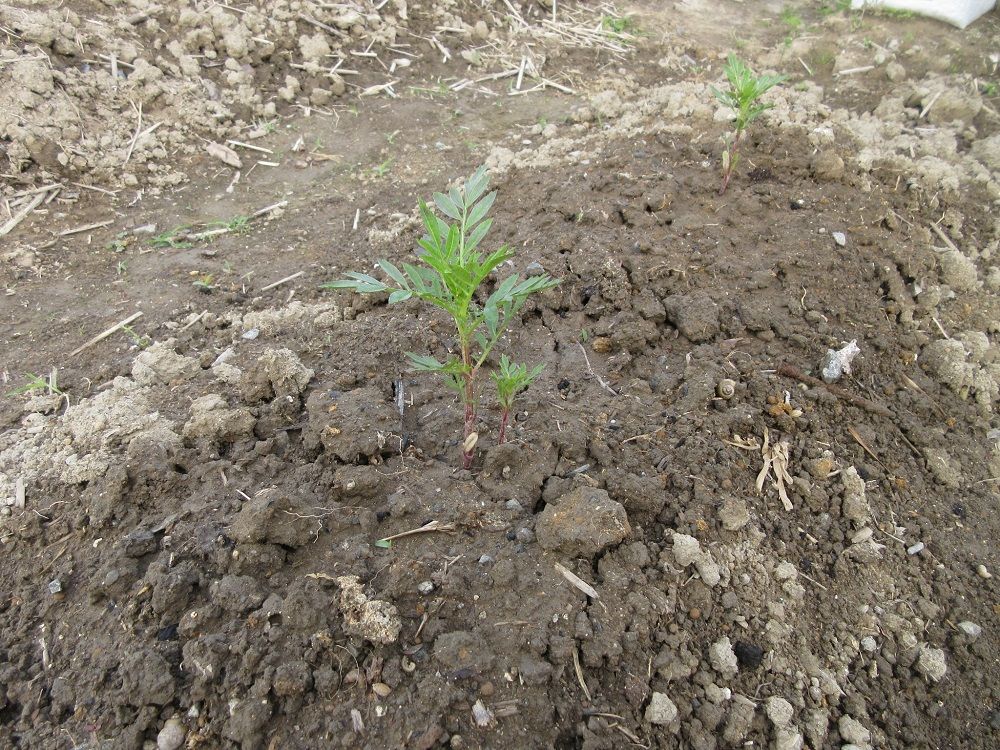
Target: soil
x,y
192,519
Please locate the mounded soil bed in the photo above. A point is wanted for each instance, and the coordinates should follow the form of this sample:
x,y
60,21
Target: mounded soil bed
x,y
197,559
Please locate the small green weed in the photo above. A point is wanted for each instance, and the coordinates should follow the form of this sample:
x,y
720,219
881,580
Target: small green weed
x,y
204,283
174,238
791,19
381,170
830,8
743,97
451,273
35,383
618,25
511,378
140,341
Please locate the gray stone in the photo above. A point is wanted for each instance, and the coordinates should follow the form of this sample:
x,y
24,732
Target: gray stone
x,y
740,719
708,569
970,629
139,543
661,710
779,711
931,662
171,736
855,507
723,658
582,523
686,549
787,739
853,731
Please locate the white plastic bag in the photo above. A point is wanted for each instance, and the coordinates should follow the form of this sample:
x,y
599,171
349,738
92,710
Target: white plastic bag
x,y
958,13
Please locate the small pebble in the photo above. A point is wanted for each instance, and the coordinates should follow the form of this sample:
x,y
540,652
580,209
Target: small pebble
x,y
868,644
661,710
515,506
970,629
839,237
425,587
251,334
55,586
534,269
485,560
916,548
171,737
694,613
862,536
525,536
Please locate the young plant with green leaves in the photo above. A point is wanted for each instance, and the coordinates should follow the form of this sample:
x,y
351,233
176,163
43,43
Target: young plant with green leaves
x,y
450,274
510,379
743,97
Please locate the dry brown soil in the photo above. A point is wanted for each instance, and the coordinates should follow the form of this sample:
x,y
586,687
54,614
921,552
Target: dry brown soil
x,y
200,491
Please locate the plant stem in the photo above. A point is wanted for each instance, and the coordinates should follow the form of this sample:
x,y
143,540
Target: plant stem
x,y
470,402
732,161
503,426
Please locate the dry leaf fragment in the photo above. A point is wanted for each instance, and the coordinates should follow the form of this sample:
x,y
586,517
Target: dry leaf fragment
x,y
224,154
570,576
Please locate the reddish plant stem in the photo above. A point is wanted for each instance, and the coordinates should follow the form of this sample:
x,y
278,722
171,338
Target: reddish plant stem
x,y
503,427
732,161
470,418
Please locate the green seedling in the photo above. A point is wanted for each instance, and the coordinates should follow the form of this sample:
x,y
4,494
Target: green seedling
x,y
511,378
743,97
618,25
37,383
173,238
235,225
450,275
791,19
381,170
204,283
836,6
140,341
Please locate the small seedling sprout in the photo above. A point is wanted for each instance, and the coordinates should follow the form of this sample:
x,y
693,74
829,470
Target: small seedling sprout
x,y
743,97
450,273
511,378
35,382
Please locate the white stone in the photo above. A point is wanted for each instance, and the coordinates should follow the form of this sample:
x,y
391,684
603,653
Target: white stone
x,y
853,731
723,658
661,710
779,711
686,549
171,737
785,571
970,629
931,662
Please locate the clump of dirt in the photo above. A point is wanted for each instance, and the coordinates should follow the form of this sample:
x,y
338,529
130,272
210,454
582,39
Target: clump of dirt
x,y
123,97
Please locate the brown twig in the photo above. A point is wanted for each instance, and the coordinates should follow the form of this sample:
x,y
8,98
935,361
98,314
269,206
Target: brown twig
x,y
793,372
